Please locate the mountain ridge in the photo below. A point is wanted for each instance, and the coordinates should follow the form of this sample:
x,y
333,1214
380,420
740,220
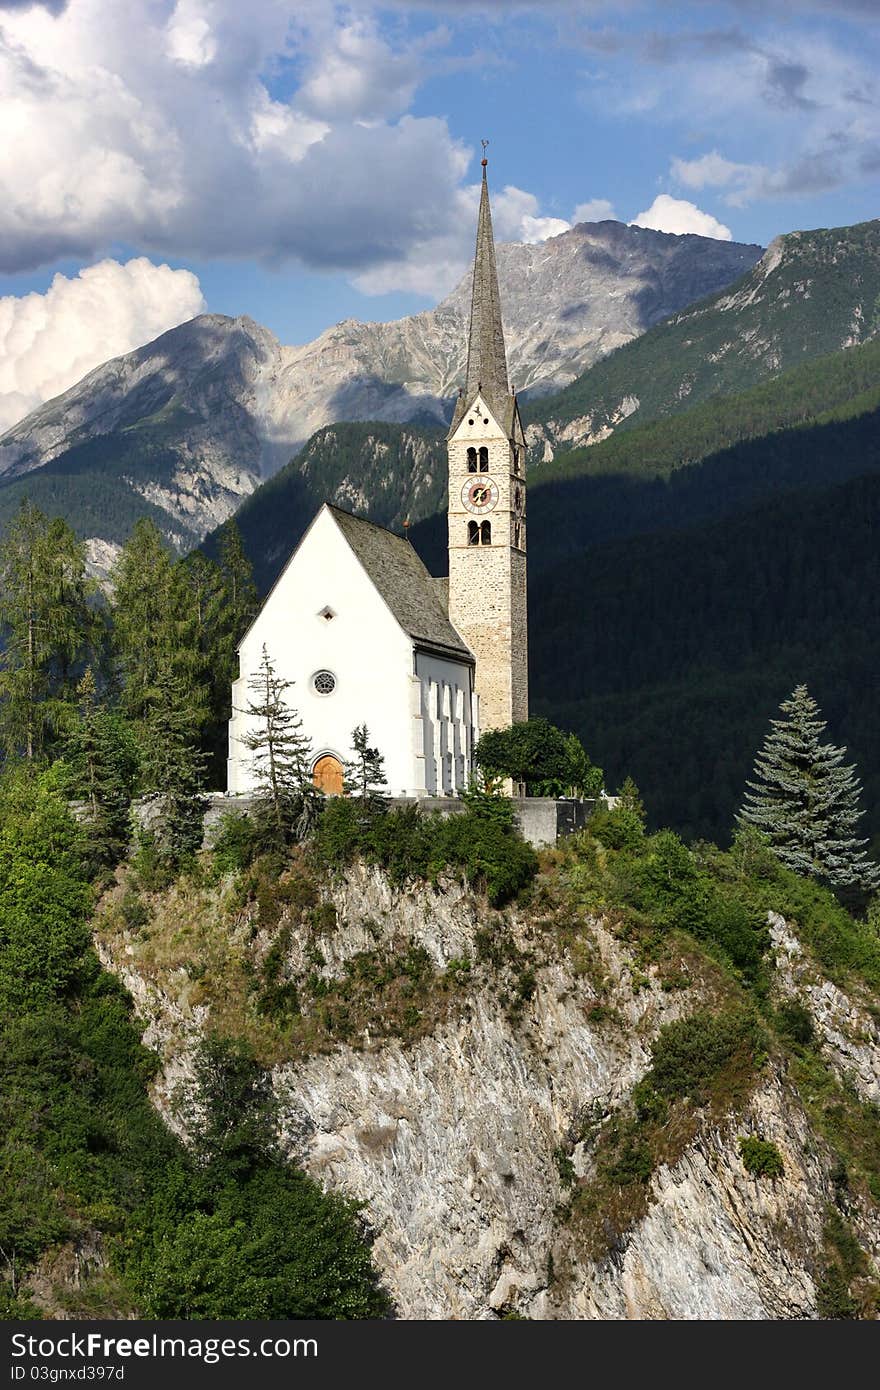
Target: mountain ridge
x,y
232,404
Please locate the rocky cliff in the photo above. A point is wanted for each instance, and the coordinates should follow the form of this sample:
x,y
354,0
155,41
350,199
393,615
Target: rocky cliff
x,y
474,1084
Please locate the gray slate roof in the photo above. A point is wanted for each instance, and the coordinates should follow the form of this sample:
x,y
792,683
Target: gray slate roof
x,y
414,597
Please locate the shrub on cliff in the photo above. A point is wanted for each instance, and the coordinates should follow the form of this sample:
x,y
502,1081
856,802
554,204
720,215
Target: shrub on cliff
x,y
481,843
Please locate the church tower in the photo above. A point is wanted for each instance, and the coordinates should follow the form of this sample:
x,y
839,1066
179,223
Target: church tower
x,y
487,505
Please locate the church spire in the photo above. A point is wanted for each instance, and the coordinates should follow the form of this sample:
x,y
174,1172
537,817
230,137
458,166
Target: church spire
x,y
487,361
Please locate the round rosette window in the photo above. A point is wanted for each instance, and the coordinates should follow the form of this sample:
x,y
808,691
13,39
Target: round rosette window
x,y
324,682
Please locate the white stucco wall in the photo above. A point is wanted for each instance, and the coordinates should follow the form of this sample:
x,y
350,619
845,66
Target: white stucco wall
x,y
363,646
446,736
380,680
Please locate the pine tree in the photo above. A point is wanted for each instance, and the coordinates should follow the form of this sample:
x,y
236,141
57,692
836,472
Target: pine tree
x,y
805,801
287,800
237,576
155,624
102,767
364,774
173,765
48,626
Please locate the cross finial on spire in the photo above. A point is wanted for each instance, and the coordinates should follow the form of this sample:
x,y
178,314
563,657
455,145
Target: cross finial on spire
x,y
484,161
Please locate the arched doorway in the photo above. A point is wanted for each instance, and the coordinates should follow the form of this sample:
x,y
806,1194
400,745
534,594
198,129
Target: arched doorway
x,y
327,775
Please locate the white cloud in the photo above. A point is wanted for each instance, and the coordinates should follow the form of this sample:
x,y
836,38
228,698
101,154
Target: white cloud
x,y
49,341
742,182
211,128
595,210
677,215
357,76
190,40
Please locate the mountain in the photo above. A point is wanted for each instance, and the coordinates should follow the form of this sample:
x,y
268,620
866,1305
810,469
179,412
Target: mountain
x,y
672,607
192,422
812,293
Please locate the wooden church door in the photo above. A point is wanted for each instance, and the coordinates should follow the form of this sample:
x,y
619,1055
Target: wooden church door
x,y
327,775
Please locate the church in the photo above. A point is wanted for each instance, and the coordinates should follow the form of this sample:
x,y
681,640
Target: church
x,y
367,636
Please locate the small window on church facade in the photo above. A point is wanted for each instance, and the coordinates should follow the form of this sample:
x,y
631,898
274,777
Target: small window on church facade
x,y
327,614
484,459
485,533
473,533
324,682
472,460
517,535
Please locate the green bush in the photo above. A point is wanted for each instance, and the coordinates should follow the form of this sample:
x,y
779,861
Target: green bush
x,y
618,827
761,1158
481,843
689,1054
236,843
795,1022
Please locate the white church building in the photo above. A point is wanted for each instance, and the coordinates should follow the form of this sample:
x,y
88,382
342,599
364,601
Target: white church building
x,y
367,636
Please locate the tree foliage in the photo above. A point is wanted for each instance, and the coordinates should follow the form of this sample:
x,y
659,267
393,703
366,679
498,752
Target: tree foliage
x,y
806,801
47,626
536,753
365,771
287,800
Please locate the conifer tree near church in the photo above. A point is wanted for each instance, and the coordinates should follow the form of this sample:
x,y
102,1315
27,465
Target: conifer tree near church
x,y
806,801
365,772
287,800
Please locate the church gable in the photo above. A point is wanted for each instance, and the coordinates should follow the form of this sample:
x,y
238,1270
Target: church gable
x,y
479,420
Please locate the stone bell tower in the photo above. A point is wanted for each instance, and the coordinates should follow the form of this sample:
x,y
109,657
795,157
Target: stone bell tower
x,y
487,505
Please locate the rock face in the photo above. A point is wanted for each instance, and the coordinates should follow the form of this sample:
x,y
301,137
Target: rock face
x,y
225,404
453,1141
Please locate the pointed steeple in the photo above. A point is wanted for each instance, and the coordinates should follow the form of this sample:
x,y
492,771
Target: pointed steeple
x,y
487,360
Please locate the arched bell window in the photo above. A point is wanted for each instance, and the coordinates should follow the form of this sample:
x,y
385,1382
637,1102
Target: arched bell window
x,y
473,533
485,533
484,459
472,460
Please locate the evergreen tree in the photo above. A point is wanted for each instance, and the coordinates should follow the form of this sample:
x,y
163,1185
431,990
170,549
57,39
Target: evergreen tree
x,y
222,600
102,758
237,577
805,801
365,772
173,766
47,626
287,800
155,625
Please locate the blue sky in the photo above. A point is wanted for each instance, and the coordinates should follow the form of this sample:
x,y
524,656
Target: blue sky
x,y
308,162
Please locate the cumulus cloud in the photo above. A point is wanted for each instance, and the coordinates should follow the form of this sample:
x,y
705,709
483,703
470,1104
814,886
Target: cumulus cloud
x,y
49,341
594,210
208,128
667,214
357,76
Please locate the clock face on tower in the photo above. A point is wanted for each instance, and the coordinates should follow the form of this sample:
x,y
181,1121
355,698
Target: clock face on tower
x,y
479,495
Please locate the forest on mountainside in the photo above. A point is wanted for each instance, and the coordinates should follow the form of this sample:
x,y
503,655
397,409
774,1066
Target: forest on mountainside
x,y
811,293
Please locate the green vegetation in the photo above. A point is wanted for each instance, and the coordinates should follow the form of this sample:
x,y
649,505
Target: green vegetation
x,y
690,641
761,1158
481,843
536,754
229,1231
286,799
805,802
762,325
